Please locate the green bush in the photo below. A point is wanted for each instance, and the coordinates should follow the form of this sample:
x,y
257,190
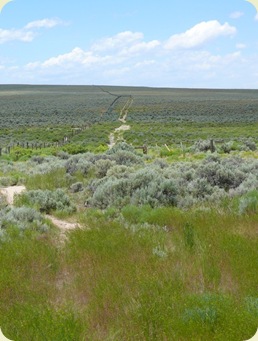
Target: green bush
x,y
142,187
23,218
248,204
46,200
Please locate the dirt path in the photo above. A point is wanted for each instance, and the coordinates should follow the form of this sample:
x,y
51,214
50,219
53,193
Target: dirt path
x,y
117,135
124,111
123,128
64,226
9,192
111,140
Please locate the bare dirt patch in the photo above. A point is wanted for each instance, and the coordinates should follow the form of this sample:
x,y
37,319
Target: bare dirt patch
x,y
9,192
64,227
123,128
117,135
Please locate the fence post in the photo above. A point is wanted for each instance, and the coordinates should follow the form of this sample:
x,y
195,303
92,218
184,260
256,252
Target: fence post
x,y
212,147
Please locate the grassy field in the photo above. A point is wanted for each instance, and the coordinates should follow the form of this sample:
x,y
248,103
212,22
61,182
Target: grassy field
x,y
167,247
146,275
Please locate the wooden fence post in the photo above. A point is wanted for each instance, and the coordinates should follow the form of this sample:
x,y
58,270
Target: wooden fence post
x,y
212,147
145,149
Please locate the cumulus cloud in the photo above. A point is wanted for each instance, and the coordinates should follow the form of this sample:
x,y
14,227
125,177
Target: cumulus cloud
x,y
199,35
127,58
118,41
125,46
77,55
28,32
21,35
109,51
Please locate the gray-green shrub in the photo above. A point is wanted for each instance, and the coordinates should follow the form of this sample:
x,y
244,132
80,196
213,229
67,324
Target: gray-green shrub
x,y
182,183
46,200
22,218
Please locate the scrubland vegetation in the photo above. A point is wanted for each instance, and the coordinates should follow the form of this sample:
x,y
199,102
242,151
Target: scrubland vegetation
x,y
167,247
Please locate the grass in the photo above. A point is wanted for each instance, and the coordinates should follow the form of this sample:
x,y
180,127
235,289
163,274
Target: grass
x,y
51,180
160,274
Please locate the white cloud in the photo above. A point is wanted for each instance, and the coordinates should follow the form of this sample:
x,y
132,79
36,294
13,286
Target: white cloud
x,y
76,56
199,35
21,35
140,47
236,15
43,23
28,32
119,40
127,58
256,17
125,46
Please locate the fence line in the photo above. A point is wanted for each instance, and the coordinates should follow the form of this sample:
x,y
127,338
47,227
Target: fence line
x,y
67,139
6,149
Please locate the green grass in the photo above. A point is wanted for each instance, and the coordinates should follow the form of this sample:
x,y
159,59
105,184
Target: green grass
x,y
51,180
173,133
160,274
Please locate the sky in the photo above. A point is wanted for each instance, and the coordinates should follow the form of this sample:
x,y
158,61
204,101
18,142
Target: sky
x,y
156,43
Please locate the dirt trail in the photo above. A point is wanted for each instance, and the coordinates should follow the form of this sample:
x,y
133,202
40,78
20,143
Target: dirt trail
x,y
9,192
124,111
111,140
64,226
117,135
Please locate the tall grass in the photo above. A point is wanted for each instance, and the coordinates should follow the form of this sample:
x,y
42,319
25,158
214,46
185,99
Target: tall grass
x,y
50,180
142,274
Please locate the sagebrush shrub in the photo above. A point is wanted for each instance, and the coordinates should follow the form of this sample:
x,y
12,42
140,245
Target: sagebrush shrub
x,y
102,167
127,158
78,163
76,187
22,218
182,183
248,204
46,200
141,187
3,201
203,146
250,144
121,146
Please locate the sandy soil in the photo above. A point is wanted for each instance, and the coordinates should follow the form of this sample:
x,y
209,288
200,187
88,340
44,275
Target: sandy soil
x,y
64,227
112,140
62,224
123,128
9,192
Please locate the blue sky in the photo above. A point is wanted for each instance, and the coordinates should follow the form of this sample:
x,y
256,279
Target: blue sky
x,y
165,43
